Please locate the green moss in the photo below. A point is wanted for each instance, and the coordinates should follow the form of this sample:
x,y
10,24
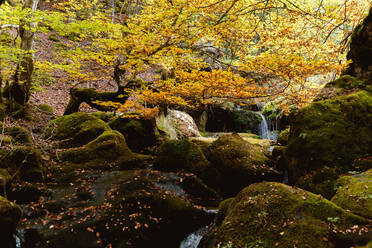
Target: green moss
x,y
5,139
105,116
277,215
331,133
355,193
108,147
76,129
10,215
45,108
239,163
138,133
18,134
53,37
177,155
25,159
283,137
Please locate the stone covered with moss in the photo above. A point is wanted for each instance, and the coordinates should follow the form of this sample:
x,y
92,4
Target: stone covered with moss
x,y
238,163
178,155
110,146
138,133
355,193
45,108
276,215
76,129
19,135
10,214
23,160
325,139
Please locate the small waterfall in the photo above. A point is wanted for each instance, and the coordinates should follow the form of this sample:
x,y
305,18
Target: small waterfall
x,y
267,130
193,240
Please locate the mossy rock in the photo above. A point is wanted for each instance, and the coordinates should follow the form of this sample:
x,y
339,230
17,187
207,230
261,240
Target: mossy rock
x,y
283,137
6,139
344,85
76,129
109,147
19,135
355,193
45,108
105,116
329,134
181,155
276,215
10,214
139,134
25,159
238,163
136,213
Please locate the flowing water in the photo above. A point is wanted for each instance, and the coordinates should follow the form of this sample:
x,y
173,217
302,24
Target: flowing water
x,y
193,240
267,130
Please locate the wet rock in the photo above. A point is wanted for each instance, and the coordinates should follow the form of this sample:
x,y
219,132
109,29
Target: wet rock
x,y
276,215
135,213
10,215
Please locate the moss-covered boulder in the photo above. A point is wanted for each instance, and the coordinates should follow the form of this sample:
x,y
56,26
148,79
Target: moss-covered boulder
x,y
76,129
178,155
283,137
326,138
105,116
138,133
238,163
109,147
19,135
24,161
355,193
10,214
136,213
45,108
276,215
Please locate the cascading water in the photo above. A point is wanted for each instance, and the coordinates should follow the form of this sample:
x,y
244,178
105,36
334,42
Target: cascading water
x,y
267,131
193,240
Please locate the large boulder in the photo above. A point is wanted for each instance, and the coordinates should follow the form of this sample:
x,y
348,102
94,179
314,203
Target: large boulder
x,y
272,214
176,125
360,50
355,193
326,138
10,214
238,163
138,133
76,129
23,161
109,147
330,135
181,155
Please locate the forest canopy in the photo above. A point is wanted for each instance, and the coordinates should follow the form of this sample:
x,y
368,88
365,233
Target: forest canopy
x,y
196,52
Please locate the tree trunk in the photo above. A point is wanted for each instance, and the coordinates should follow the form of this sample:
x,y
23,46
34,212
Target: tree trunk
x,y
20,89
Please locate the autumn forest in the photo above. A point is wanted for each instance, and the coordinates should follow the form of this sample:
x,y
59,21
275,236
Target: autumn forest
x,y
185,123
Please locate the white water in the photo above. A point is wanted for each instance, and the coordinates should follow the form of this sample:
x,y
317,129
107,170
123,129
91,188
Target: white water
x,y
264,130
193,240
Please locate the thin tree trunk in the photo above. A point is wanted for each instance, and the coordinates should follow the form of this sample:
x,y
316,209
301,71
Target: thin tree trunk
x,y
20,90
